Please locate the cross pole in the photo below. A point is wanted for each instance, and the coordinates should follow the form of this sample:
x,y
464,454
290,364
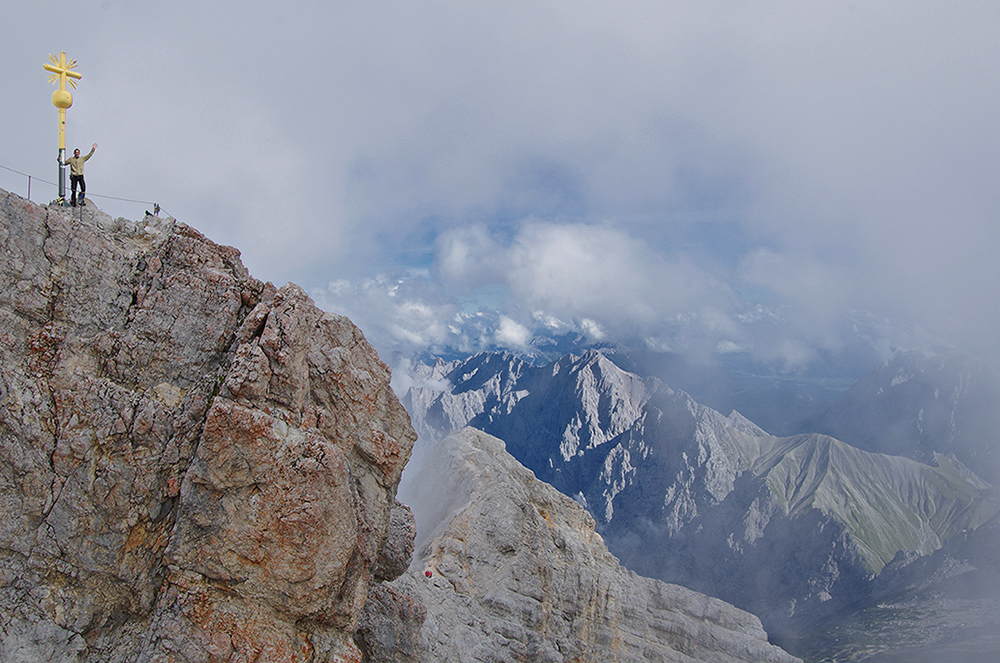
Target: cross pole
x,y
62,73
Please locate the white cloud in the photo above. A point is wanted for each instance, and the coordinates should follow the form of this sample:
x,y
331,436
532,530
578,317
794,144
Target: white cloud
x,y
729,347
592,330
512,334
602,273
469,258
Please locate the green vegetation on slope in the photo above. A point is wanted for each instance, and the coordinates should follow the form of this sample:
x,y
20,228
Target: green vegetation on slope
x,y
887,503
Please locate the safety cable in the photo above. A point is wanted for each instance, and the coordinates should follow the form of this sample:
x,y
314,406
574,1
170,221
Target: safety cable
x,y
89,195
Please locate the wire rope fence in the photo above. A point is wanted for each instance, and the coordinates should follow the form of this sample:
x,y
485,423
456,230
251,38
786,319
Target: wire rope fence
x,y
34,179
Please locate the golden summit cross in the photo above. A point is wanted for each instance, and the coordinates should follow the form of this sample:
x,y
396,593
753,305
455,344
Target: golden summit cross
x,y
62,73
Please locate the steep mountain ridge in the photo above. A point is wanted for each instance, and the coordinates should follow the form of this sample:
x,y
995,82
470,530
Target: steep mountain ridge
x,y
512,570
599,419
888,503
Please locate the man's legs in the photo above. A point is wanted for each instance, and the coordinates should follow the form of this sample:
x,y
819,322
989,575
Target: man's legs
x,y
73,181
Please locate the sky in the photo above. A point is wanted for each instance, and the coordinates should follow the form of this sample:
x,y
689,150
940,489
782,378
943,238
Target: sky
x,y
776,180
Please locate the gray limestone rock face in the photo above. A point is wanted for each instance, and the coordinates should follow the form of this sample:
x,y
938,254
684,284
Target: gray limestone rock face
x,y
194,465
509,569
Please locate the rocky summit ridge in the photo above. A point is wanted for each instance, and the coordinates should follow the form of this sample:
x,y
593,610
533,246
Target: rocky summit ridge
x,y
196,465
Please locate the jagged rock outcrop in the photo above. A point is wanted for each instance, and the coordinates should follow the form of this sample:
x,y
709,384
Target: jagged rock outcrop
x,y
518,573
194,465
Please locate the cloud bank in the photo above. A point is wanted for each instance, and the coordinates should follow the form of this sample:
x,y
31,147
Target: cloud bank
x,y
773,179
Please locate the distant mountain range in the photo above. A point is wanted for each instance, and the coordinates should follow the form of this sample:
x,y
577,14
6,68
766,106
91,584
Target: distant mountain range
x,y
796,529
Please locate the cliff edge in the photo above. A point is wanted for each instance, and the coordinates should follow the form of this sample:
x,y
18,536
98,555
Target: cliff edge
x,y
194,465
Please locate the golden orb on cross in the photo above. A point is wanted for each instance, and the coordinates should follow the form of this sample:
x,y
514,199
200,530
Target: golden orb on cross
x,y
62,99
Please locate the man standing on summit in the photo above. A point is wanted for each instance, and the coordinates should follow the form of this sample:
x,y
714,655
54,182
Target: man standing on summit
x,y
75,163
